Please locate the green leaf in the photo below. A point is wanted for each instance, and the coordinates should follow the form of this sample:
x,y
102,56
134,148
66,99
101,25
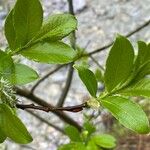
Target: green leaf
x,y
73,146
92,146
15,73
28,18
6,65
142,72
99,75
57,27
88,78
50,52
142,64
66,147
89,127
141,88
73,133
2,136
12,126
23,74
127,113
10,31
104,140
143,53
119,63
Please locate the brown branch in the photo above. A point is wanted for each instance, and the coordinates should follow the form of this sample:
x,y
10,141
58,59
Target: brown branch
x,y
75,108
71,8
127,35
27,94
46,76
45,121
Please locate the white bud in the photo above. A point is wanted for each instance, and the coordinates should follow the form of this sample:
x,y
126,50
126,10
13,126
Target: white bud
x,y
93,103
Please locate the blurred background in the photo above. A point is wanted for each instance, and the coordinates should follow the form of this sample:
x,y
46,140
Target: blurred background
x,y
99,21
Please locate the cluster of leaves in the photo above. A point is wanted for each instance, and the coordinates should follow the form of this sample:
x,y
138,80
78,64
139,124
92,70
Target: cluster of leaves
x,y
87,139
125,77
28,35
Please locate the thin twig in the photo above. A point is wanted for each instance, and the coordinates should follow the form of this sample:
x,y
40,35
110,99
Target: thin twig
x,y
71,70
67,86
25,147
46,76
45,121
97,63
27,94
71,8
127,35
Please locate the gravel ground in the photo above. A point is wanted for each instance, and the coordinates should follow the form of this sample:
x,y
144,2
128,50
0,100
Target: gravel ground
x,y
99,22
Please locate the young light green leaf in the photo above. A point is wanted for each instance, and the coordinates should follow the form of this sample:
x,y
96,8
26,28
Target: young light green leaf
x,y
28,18
88,78
104,140
10,31
23,74
67,147
92,146
6,65
73,133
50,52
141,88
12,126
127,113
57,27
88,126
119,63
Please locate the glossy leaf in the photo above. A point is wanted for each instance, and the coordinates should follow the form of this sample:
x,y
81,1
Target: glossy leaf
x,y
2,135
141,88
6,65
12,126
143,53
10,31
142,72
119,63
73,133
23,74
57,27
28,18
142,64
104,140
50,52
127,113
88,78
